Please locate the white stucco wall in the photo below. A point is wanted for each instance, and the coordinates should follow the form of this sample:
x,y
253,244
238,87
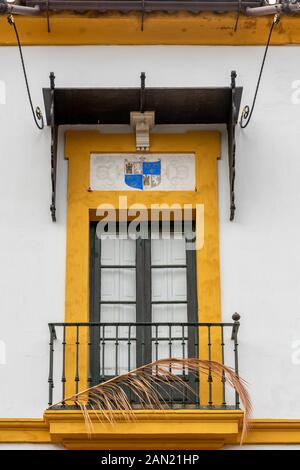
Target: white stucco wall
x,y
260,251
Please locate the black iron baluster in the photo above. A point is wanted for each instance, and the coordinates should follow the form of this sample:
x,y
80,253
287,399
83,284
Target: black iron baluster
x,y
98,287
117,350
156,342
210,379
223,379
103,353
183,347
129,348
156,346
236,317
90,377
77,360
63,376
129,359
170,355
170,342
184,376
197,376
51,357
143,345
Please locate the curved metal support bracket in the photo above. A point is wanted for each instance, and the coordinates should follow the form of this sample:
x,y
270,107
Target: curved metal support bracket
x,y
54,130
231,143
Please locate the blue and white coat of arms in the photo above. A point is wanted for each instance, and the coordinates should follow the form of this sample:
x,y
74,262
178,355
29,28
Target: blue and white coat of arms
x,y
140,173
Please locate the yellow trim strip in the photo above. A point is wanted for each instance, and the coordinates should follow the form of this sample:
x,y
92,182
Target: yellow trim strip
x,y
262,431
24,430
159,28
271,431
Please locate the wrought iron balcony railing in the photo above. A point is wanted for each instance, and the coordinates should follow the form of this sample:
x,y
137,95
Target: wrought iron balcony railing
x,y
86,354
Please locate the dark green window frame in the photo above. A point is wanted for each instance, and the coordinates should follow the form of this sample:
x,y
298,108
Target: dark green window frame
x,y
143,302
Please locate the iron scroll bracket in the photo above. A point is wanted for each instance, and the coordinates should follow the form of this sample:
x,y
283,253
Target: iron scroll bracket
x,y
231,125
54,131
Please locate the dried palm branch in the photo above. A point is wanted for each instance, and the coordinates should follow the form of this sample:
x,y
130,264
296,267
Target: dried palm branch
x,y
149,384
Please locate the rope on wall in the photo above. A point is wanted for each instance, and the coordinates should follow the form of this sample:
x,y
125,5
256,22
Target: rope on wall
x,y
37,113
247,112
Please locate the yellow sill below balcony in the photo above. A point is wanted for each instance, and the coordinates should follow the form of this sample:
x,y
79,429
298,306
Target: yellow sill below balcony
x,y
168,429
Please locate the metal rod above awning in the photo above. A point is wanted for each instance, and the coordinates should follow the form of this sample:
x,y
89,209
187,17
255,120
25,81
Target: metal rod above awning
x,y
194,6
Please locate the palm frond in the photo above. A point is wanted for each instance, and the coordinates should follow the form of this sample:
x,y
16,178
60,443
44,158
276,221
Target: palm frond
x,y
148,385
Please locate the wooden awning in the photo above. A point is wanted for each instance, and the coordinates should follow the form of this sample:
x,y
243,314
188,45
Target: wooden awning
x,y
70,106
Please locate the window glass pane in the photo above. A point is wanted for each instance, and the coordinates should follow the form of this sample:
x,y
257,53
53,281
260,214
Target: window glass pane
x,y
117,342
170,251
168,284
118,284
118,252
166,313
117,314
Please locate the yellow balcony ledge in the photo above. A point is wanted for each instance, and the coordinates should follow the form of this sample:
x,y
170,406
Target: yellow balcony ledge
x,y
168,429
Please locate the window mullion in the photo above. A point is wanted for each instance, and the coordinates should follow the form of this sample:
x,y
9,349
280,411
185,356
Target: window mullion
x,y
192,311
140,341
192,314
95,297
147,299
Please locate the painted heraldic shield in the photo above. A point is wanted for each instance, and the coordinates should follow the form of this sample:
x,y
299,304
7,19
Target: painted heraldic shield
x,y
142,174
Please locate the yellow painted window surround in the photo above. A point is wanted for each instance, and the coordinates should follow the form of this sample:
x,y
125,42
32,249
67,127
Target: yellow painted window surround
x,y
82,204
